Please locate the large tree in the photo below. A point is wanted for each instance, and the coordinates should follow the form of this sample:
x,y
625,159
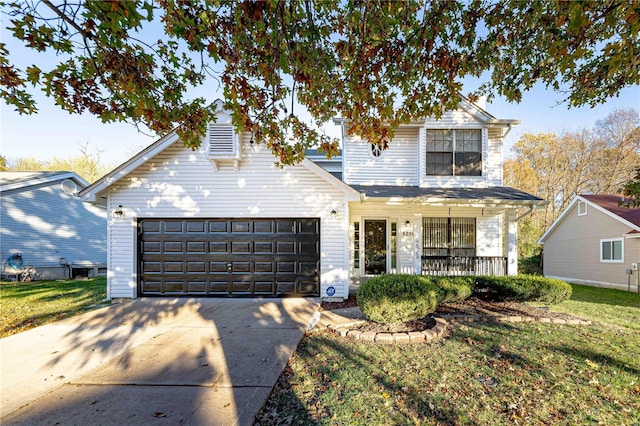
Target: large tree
x,y
376,63
598,160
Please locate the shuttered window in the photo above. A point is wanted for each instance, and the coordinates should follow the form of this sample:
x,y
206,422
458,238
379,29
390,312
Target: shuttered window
x,y
449,236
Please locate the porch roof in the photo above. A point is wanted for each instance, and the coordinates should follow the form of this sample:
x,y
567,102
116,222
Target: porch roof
x,y
493,195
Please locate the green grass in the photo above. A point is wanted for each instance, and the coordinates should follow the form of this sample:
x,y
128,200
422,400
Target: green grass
x,y
544,374
609,306
27,305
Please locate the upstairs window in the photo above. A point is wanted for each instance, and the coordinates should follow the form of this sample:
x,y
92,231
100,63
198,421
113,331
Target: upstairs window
x,y
454,152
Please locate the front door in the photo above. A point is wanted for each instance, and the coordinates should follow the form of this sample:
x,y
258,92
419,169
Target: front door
x,y
375,247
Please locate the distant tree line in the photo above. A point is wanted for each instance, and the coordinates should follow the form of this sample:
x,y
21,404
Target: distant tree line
x,y
86,164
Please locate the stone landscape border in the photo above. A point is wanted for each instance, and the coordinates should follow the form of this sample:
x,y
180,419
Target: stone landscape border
x,y
438,330
412,337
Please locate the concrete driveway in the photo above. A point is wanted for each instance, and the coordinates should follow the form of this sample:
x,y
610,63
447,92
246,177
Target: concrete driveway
x,y
161,361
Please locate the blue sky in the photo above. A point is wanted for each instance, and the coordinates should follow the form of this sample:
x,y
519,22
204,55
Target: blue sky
x,y
52,132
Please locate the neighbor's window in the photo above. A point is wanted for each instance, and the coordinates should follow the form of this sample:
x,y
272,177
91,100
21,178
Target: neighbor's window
x,y
582,208
612,250
454,152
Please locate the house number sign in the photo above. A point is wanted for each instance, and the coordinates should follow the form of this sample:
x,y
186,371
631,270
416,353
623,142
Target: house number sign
x,y
407,233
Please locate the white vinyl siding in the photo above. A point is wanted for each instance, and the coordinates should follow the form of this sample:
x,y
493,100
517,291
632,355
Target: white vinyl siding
x,y
489,235
44,224
396,165
180,183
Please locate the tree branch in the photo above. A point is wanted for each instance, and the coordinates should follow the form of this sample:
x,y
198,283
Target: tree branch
x,y
66,19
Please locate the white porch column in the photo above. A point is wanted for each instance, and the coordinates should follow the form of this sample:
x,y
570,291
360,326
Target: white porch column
x,y
512,243
417,242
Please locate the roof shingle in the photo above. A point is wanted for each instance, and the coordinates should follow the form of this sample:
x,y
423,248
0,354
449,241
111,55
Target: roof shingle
x,y
610,202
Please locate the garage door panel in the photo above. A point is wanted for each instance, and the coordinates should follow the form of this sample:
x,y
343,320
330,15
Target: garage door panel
x,y
307,286
241,247
286,267
173,267
263,268
229,256
197,287
242,267
196,267
173,227
263,287
196,247
171,286
194,226
173,247
218,247
287,247
218,267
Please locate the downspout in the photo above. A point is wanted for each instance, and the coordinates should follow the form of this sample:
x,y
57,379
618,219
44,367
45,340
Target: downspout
x,y
508,131
527,213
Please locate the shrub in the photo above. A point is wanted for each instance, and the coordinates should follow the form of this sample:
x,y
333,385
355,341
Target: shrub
x,y
453,289
531,265
395,299
522,288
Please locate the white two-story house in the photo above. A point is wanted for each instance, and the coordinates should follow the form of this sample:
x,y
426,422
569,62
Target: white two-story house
x,y
225,220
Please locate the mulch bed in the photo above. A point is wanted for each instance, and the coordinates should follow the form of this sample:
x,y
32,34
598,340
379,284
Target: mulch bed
x,y
471,306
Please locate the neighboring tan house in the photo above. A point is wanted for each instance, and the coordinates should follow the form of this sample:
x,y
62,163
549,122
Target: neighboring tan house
x,y
226,220
594,241
44,225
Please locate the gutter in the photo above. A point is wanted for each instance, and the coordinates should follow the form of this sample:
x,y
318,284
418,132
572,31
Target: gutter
x,y
527,213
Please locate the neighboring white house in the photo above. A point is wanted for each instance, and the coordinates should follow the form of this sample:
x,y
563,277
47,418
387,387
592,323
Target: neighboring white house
x,y
44,225
225,220
594,241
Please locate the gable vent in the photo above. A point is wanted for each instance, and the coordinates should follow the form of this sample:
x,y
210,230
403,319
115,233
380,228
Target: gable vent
x,y
222,145
222,141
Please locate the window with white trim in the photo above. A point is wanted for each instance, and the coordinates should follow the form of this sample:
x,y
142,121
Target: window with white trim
x,y
612,250
454,152
582,208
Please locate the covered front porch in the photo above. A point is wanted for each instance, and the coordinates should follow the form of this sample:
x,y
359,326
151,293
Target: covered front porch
x,y
457,231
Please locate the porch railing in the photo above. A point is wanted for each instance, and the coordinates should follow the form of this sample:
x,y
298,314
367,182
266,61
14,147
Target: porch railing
x,y
464,265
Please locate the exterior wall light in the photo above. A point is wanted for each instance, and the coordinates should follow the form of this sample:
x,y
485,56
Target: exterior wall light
x,y
119,212
334,214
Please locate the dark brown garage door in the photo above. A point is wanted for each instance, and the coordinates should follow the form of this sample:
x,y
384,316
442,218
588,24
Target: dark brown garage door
x,y
229,257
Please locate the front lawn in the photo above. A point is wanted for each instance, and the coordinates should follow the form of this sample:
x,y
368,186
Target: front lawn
x,y
479,374
27,305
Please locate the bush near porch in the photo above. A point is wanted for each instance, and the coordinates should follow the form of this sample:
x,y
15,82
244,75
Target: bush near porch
x,y
394,299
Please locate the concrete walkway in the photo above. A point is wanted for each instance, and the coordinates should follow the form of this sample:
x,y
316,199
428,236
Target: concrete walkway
x,y
153,361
